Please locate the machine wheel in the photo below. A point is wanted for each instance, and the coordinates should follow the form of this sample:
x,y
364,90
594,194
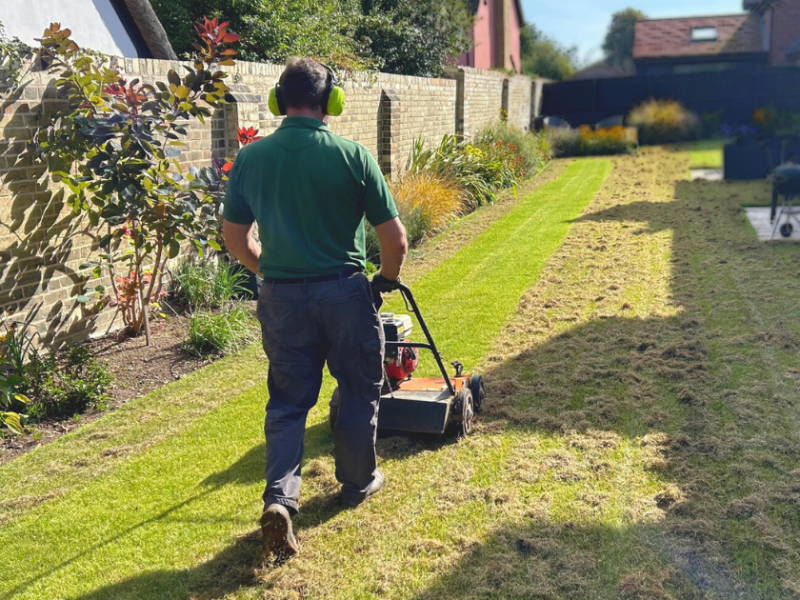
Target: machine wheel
x,y
334,407
464,409
478,392
787,229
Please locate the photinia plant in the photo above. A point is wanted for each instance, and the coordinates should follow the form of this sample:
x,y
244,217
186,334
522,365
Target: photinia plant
x,y
114,148
245,135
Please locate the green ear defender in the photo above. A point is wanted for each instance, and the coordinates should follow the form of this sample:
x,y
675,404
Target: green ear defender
x,y
273,103
332,100
335,101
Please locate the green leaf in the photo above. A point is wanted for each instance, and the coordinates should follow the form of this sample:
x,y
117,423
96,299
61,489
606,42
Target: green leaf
x,y
82,299
174,249
22,398
214,245
174,78
12,421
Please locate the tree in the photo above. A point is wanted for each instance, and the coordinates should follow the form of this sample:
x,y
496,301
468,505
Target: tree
x,y
272,30
411,37
415,37
618,44
543,57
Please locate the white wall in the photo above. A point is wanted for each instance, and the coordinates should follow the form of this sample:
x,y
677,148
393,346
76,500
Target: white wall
x,y
94,23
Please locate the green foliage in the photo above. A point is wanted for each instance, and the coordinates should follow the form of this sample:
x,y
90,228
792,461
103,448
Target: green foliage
x,y
664,122
618,44
564,142
207,284
544,57
13,55
712,123
222,332
499,158
113,147
15,344
415,37
776,122
451,160
530,151
63,388
412,37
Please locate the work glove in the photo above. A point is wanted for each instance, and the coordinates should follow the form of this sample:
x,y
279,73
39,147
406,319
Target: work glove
x,y
381,285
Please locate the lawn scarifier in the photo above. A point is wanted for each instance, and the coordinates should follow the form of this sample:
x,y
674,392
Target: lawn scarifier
x,y
162,524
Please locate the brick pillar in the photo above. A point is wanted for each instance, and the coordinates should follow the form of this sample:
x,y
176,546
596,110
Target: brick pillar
x,y
505,103
389,133
459,76
243,110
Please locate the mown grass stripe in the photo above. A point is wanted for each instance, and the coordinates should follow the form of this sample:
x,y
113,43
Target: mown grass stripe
x,y
466,300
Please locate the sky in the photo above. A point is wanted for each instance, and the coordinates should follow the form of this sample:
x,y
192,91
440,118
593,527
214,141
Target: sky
x,y
583,23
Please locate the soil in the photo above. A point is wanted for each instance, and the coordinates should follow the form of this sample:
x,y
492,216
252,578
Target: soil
x,y
136,370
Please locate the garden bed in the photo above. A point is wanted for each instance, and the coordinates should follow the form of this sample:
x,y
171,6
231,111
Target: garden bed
x,y
136,369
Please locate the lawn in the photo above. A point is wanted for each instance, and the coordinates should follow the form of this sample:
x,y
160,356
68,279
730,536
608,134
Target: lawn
x,y
640,440
707,154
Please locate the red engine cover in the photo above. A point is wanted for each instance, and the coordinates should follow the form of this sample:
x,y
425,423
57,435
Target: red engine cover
x,y
404,365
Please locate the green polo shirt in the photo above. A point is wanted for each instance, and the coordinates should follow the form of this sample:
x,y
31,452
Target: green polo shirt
x,y
309,191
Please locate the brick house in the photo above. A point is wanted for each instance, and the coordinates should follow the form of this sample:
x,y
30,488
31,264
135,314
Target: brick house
x,y
496,35
767,34
127,28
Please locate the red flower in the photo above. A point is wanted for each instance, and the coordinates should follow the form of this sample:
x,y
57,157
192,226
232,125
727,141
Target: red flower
x,y
227,167
247,135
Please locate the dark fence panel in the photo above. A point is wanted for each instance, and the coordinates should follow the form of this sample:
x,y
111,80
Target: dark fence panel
x,y
739,93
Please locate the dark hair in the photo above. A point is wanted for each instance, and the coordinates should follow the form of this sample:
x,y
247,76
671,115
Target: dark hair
x,y
304,82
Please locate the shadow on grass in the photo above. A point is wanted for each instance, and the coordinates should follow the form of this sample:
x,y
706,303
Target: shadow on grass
x,y
709,392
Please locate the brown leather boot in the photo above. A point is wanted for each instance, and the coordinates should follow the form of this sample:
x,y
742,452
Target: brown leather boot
x,y
276,532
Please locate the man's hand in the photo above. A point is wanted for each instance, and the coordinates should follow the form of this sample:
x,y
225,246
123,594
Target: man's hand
x,y
381,285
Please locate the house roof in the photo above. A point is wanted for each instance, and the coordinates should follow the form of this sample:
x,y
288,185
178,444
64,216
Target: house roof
x,y
662,38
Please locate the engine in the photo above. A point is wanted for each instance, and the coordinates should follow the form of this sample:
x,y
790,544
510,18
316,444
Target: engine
x,y
402,361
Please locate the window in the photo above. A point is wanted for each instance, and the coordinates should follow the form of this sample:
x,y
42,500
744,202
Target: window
x,y
705,34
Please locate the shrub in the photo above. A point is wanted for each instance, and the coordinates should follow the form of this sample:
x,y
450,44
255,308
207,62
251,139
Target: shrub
x,y
63,388
712,123
586,141
426,202
564,142
208,284
15,344
110,144
599,142
451,160
774,122
221,332
499,158
664,122
532,149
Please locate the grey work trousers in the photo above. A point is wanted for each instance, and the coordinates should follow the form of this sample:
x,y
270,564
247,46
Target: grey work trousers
x,y
304,325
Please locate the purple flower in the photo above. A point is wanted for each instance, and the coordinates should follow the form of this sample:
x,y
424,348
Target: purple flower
x,y
727,130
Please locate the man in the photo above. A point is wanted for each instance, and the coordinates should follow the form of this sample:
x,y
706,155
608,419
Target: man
x,y
309,192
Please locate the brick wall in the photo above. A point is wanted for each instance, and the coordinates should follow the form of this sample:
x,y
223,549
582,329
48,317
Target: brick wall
x,y
42,247
519,102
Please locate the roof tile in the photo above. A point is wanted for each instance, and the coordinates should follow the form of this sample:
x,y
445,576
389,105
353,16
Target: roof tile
x,y
738,34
